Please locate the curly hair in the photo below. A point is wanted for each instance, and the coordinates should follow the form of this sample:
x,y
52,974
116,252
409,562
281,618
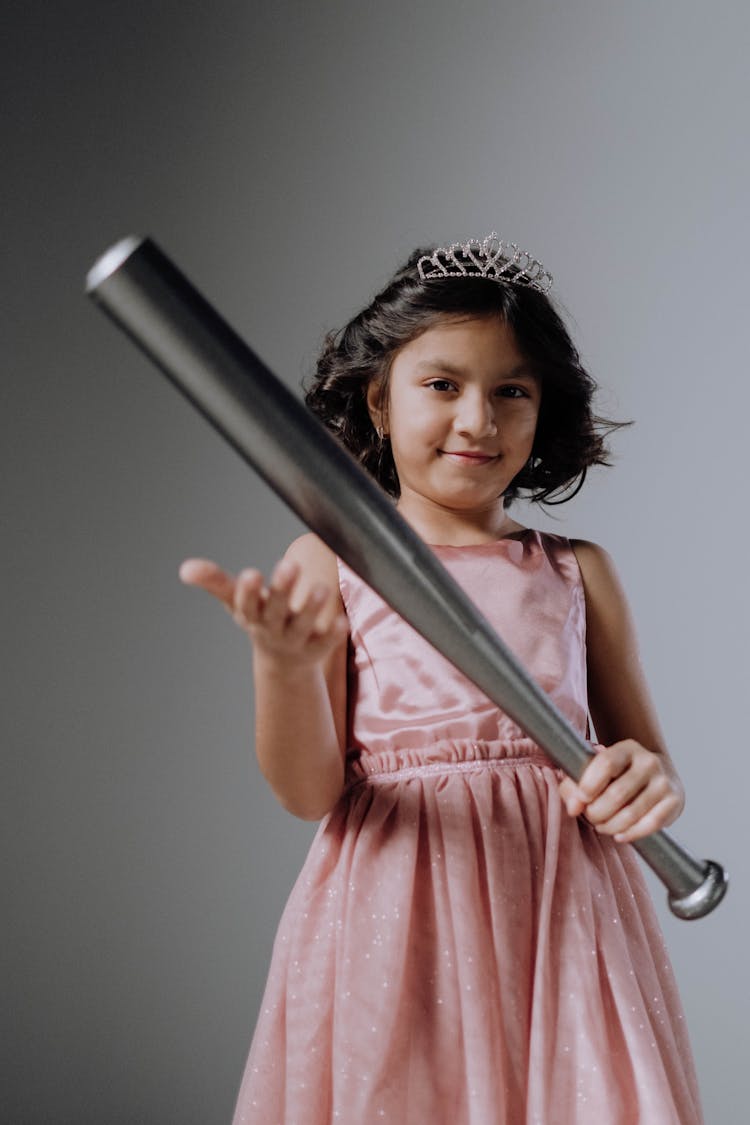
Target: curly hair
x,y
569,437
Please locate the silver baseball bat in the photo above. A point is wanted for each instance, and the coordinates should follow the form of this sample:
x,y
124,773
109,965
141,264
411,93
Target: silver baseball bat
x,y
155,304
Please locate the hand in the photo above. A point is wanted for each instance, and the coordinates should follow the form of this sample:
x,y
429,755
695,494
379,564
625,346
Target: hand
x,y
286,621
626,791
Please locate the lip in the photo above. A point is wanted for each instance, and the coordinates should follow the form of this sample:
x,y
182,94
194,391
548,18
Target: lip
x,y
468,457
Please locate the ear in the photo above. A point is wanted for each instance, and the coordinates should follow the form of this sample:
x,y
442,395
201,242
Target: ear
x,y
376,408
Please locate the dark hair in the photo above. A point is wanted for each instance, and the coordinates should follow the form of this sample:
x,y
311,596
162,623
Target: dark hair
x,y
569,437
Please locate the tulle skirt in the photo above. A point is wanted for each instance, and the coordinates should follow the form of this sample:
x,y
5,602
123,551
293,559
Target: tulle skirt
x,y
458,950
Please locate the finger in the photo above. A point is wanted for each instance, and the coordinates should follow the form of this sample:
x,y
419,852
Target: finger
x,y
627,815
324,638
659,816
620,792
275,611
248,597
305,622
208,576
335,633
604,768
567,787
571,796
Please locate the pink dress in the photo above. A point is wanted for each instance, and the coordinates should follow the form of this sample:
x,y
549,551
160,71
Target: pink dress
x,y
457,950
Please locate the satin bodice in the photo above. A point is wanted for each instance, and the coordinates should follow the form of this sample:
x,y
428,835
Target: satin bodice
x,y
405,696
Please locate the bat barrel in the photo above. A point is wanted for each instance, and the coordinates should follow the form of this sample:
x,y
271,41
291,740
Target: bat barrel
x,y
155,304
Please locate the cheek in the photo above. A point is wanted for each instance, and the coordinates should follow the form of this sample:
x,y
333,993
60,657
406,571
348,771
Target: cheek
x,y
520,423
416,422
532,419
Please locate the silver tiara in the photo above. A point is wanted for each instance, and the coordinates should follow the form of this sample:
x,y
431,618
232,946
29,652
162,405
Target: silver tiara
x,y
489,257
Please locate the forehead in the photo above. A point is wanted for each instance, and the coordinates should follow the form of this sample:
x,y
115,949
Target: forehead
x,y
484,345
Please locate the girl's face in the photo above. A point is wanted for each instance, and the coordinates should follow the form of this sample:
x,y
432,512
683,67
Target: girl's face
x,y
461,413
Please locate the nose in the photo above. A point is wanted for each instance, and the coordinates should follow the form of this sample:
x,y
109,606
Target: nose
x,y
475,416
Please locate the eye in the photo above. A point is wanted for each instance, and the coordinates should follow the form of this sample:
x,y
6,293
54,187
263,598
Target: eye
x,y
441,385
508,392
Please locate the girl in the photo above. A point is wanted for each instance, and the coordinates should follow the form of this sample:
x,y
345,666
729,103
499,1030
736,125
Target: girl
x,y
470,940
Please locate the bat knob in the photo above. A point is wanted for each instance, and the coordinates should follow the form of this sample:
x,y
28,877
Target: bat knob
x,y
705,897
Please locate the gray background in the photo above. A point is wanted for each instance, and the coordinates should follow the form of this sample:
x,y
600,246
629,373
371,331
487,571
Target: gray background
x,y
288,156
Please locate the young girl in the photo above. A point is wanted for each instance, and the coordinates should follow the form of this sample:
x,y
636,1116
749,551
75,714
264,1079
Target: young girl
x,y
470,940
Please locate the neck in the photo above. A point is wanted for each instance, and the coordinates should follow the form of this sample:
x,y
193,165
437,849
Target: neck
x,y
436,524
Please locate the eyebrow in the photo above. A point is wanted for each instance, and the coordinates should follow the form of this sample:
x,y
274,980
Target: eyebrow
x,y
519,371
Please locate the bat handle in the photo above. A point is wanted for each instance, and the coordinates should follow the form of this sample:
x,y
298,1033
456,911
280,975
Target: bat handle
x,y
694,886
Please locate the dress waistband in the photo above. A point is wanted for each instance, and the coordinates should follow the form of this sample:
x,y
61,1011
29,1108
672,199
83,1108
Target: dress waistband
x,y
443,757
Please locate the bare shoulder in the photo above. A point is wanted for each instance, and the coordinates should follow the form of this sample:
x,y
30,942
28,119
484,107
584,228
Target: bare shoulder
x,y
596,564
606,601
591,553
316,560
619,699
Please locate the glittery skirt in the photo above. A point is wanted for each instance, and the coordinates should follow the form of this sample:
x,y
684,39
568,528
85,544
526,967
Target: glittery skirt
x,y
458,950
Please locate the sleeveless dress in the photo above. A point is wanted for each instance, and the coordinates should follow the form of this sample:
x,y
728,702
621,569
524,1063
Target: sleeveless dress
x,y
458,950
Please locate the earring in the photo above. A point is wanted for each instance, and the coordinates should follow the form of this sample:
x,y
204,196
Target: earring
x,y
379,432
533,464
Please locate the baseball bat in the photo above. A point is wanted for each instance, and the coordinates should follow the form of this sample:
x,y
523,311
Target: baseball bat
x,y
153,302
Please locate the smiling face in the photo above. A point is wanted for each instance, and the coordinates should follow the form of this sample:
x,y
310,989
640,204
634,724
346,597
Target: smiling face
x,y
461,413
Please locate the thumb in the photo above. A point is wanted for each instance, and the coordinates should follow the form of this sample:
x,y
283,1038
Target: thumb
x,y
210,577
571,796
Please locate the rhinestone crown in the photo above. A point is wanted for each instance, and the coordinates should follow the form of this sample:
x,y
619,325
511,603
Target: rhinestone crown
x,y
489,257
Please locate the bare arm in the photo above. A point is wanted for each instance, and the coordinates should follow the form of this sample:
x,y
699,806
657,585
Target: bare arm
x,y
300,694
298,629
632,787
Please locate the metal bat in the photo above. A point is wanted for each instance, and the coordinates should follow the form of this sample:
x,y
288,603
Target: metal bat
x,y
155,304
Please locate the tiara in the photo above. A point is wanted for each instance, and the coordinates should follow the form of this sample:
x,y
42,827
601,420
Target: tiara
x,y
489,257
